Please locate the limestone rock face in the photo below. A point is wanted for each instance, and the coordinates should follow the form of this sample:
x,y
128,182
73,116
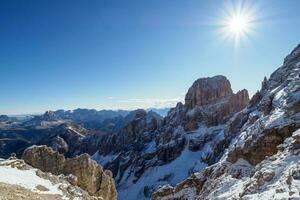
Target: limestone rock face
x,y
89,175
212,102
240,100
256,151
86,171
45,159
206,91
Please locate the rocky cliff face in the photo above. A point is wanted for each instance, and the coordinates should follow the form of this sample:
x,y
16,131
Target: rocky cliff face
x,y
132,134
207,91
211,101
263,150
82,170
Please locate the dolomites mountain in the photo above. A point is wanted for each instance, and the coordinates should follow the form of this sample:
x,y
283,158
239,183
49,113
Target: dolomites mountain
x,y
151,151
262,159
216,145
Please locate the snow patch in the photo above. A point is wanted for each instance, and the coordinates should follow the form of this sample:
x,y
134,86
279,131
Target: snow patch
x,y
27,179
171,173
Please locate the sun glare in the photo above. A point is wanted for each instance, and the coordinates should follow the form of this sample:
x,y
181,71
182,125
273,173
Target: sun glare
x,y
238,22
238,25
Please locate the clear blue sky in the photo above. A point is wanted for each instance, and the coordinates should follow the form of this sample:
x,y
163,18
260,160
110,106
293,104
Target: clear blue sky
x,y
130,53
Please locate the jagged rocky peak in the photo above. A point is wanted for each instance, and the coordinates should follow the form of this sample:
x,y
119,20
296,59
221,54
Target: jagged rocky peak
x,y
142,121
81,170
211,101
134,132
205,91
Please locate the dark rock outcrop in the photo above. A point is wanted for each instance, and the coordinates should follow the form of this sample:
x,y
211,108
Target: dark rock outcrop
x,y
255,151
133,134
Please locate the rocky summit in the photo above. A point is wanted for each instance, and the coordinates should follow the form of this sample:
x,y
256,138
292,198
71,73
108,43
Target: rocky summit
x,y
205,91
211,101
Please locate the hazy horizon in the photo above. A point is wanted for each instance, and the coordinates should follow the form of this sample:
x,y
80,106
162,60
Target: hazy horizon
x,y
42,112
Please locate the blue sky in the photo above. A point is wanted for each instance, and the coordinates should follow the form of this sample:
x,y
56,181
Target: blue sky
x,y
131,53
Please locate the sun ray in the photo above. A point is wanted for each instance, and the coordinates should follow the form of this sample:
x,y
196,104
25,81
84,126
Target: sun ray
x,y
238,22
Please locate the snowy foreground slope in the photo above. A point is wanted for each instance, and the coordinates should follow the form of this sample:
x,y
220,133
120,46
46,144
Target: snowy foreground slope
x,y
262,160
20,181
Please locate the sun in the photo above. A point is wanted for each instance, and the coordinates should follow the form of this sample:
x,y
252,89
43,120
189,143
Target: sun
x,y
238,25
239,21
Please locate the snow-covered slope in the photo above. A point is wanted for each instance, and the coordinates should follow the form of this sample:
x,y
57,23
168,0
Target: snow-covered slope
x,y
20,181
171,173
277,177
262,159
